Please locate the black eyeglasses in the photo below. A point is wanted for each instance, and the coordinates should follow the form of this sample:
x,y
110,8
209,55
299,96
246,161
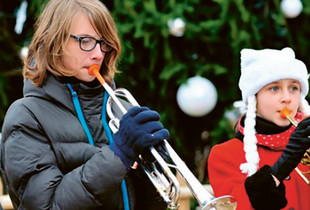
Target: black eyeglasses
x,y
89,43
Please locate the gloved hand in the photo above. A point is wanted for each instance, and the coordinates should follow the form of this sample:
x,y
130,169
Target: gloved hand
x,y
139,129
295,149
148,157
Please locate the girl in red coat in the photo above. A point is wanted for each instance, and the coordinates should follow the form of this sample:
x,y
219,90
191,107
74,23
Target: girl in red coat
x,y
261,166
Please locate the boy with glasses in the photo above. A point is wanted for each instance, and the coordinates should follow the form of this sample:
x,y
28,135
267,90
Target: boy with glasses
x,y
55,153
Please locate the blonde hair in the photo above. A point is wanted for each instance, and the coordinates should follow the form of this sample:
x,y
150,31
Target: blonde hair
x,y
52,32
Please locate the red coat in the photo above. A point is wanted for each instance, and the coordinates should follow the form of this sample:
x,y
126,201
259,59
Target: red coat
x,y
226,178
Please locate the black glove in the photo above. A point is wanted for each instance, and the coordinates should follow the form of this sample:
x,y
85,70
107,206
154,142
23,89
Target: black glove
x,y
295,149
263,192
139,129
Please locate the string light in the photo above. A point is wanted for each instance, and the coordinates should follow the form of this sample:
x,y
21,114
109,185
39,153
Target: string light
x,y
176,27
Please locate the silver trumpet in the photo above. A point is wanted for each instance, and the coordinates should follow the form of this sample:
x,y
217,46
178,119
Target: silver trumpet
x,y
158,170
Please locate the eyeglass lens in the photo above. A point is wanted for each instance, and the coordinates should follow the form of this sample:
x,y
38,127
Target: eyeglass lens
x,y
89,43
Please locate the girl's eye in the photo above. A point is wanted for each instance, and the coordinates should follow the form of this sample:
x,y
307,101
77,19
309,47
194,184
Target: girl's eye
x,y
294,88
274,89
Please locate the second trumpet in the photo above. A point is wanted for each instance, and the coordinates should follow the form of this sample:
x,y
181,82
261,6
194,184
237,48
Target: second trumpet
x,y
158,171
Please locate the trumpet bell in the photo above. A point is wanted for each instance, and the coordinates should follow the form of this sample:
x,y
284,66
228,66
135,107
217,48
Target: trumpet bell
x,y
306,158
226,202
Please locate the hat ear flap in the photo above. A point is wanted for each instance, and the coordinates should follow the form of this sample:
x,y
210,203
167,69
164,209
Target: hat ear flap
x,y
250,140
304,107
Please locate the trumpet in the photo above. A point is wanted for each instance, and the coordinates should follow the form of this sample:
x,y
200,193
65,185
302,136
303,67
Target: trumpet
x,y
285,113
158,170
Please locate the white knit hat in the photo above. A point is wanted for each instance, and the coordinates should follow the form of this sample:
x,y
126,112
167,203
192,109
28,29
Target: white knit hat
x,y
259,68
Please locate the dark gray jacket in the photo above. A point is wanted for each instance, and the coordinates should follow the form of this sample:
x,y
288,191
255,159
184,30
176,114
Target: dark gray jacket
x,y
47,162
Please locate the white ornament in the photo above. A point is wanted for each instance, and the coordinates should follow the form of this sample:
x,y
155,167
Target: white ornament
x,y
197,97
291,8
24,52
176,27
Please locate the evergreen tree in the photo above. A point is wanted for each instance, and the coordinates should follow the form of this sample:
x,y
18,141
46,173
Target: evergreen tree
x,y
154,62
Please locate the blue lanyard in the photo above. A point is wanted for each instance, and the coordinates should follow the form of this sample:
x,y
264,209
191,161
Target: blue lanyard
x,y
80,114
106,129
110,139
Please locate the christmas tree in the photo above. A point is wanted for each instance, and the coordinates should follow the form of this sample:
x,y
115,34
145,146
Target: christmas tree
x,y
159,55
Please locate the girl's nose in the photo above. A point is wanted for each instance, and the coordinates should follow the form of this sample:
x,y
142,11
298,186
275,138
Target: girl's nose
x,y
285,97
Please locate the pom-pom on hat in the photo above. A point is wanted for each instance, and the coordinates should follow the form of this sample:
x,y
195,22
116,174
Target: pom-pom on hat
x,y
260,68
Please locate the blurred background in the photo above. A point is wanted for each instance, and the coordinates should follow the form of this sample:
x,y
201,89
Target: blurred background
x,y
179,57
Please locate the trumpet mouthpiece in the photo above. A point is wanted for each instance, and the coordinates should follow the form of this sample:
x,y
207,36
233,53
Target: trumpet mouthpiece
x,y
94,71
93,68
285,112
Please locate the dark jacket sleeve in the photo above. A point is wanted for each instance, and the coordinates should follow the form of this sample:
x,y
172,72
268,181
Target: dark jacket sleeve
x,y
36,179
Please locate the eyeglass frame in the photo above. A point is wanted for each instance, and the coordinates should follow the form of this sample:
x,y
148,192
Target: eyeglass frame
x,y
101,43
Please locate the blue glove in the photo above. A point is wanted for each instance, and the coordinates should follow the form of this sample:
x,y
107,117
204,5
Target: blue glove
x,y
139,130
295,149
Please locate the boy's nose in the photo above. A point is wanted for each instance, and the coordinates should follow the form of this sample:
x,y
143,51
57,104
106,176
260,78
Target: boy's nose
x,y
96,52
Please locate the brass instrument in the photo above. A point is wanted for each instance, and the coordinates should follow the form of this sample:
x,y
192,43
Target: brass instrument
x,y
285,113
158,171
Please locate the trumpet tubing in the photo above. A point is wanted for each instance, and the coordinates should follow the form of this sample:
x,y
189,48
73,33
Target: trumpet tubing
x,y
158,171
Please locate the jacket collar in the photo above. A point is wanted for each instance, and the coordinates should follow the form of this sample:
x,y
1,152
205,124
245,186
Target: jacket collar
x,y
57,91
